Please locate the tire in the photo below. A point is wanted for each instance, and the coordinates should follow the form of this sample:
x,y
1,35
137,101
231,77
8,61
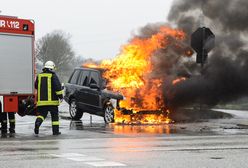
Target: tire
x,y
109,116
75,113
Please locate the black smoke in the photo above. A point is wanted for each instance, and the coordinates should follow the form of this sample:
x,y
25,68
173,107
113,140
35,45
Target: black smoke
x,y
225,76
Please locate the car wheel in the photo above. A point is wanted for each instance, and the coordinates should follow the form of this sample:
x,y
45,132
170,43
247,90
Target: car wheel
x,y
109,114
75,113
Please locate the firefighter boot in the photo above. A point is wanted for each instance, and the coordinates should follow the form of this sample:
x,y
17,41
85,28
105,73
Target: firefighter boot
x,y
4,129
36,129
12,129
12,124
4,135
37,125
56,130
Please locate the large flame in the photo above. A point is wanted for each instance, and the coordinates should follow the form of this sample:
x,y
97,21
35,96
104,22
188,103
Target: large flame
x,y
130,73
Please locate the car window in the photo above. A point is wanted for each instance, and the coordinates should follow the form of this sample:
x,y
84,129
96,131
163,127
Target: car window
x,y
84,78
74,77
94,78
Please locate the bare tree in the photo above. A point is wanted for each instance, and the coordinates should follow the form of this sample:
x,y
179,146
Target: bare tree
x,y
78,61
55,46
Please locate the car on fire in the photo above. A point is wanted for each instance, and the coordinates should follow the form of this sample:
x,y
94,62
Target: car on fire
x,y
86,92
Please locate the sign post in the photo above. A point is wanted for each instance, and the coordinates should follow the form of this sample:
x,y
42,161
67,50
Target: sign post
x,y
202,41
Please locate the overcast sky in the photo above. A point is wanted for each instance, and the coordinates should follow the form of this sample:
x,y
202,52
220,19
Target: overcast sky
x,y
98,27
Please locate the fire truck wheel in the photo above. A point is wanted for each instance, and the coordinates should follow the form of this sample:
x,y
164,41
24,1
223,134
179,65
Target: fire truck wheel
x,y
75,113
109,114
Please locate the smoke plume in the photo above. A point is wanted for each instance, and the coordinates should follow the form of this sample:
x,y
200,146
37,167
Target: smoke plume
x,y
224,78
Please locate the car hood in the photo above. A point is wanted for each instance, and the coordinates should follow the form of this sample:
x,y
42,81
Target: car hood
x,y
113,95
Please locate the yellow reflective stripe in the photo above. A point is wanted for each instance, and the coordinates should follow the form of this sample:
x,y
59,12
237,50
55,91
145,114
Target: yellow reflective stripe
x,y
49,88
12,120
46,75
59,92
55,123
4,121
41,117
39,84
47,103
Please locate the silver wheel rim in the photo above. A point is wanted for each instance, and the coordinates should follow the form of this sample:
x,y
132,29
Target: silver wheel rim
x,y
109,114
73,108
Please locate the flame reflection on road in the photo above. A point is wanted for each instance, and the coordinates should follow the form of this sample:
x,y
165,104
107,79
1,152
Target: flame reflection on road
x,y
142,129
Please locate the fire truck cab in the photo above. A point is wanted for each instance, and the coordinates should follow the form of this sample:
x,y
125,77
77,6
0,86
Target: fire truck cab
x,y
17,62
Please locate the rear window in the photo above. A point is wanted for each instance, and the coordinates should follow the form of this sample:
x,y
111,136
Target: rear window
x,y
74,77
84,78
94,78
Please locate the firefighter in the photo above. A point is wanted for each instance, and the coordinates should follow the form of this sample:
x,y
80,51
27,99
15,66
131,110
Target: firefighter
x,y
49,96
4,123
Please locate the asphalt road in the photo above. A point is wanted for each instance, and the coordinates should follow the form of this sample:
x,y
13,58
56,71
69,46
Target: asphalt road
x,y
213,143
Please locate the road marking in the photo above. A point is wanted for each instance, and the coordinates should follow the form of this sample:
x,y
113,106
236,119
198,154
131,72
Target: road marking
x,y
24,123
90,160
68,155
105,164
85,159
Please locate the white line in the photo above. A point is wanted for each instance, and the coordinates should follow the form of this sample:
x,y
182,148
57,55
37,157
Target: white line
x,y
70,155
105,164
24,123
85,159
90,160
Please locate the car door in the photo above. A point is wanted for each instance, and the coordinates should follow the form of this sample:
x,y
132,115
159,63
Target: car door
x,y
83,89
71,87
94,95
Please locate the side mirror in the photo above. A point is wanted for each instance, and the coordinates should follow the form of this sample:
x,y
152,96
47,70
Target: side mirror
x,y
94,86
62,86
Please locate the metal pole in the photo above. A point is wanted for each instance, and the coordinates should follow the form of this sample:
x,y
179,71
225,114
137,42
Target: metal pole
x,y
202,15
91,120
203,41
203,51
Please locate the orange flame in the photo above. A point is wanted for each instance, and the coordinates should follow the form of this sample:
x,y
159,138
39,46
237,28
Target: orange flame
x,y
90,65
178,80
130,73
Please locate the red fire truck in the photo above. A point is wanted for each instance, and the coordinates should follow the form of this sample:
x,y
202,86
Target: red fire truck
x,y
17,62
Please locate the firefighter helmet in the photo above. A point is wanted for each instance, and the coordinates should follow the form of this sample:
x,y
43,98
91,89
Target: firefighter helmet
x,y
50,65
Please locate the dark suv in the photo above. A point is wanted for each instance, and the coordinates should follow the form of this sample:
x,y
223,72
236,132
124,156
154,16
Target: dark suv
x,y
86,92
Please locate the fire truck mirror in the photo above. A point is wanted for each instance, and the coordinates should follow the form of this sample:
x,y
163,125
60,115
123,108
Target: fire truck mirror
x,y
25,27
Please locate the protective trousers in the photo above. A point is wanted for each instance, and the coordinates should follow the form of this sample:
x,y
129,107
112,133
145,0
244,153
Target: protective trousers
x,y
42,114
4,122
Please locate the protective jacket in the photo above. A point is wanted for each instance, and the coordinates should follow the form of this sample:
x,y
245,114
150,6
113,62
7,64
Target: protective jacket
x,y
49,89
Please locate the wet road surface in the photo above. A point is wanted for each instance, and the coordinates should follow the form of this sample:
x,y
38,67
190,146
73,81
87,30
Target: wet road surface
x,y
213,143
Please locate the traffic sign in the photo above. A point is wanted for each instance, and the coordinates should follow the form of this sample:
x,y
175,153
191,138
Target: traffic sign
x,y
202,41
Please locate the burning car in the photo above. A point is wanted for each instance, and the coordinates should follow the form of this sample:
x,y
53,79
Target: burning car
x,y
142,71
86,92
138,73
